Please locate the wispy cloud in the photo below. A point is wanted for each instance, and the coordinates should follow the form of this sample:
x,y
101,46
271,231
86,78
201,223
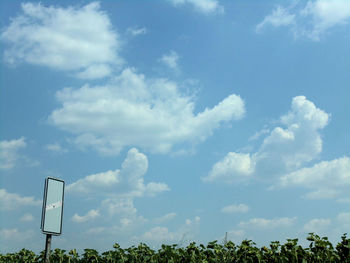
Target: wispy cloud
x,y
27,218
136,31
12,201
56,147
202,6
92,214
240,208
317,225
164,218
9,152
264,223
171,60
311,19
279,17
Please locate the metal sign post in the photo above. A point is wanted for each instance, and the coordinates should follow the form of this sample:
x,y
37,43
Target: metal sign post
x,y
47,248
52,212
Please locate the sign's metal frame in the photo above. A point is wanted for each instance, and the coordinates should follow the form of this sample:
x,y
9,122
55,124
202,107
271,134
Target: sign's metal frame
x,y
44,207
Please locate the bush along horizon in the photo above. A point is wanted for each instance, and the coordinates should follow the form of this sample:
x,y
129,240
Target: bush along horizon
x,y
320,250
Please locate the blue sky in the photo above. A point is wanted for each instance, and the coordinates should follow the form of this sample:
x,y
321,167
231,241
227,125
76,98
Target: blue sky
x,y
175,120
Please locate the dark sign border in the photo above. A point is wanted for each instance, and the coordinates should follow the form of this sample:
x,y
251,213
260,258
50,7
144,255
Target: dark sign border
x,y
44,207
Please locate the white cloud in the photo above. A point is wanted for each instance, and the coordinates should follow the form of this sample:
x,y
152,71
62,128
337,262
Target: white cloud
x,y
317,225
56,147
344,218
27,218
234,167
311,19
132,110
279,17
127,182
171,60
192,222
95,182
117,191
96,230
241,208
164,218
328,179
91,215
325,14
15,234
119,205
10,201
160,234
70,39
95,72
263,223
283,150
258,134
135,31
343,200
300,142
9,152
203,6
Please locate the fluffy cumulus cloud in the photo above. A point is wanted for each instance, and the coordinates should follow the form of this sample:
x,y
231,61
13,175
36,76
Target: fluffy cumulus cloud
x,y
11,201
125,182
298,142
241,208
75,39
311,19
233,164
327,179
9,152
92,214
284,149
203,6
285,155
116,190
131,110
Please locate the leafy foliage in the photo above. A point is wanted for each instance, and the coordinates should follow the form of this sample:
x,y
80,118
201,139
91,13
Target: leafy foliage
x,y
319,250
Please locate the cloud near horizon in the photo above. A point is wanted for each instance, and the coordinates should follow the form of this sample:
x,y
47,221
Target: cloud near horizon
x,y
116,191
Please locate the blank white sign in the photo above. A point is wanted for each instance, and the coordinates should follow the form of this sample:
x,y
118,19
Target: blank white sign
x,y
51,221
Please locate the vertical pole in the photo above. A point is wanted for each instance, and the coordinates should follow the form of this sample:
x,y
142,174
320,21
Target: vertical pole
x,y
47,248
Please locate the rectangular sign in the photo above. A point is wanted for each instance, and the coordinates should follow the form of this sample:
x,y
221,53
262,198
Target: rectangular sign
x,y
52,213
